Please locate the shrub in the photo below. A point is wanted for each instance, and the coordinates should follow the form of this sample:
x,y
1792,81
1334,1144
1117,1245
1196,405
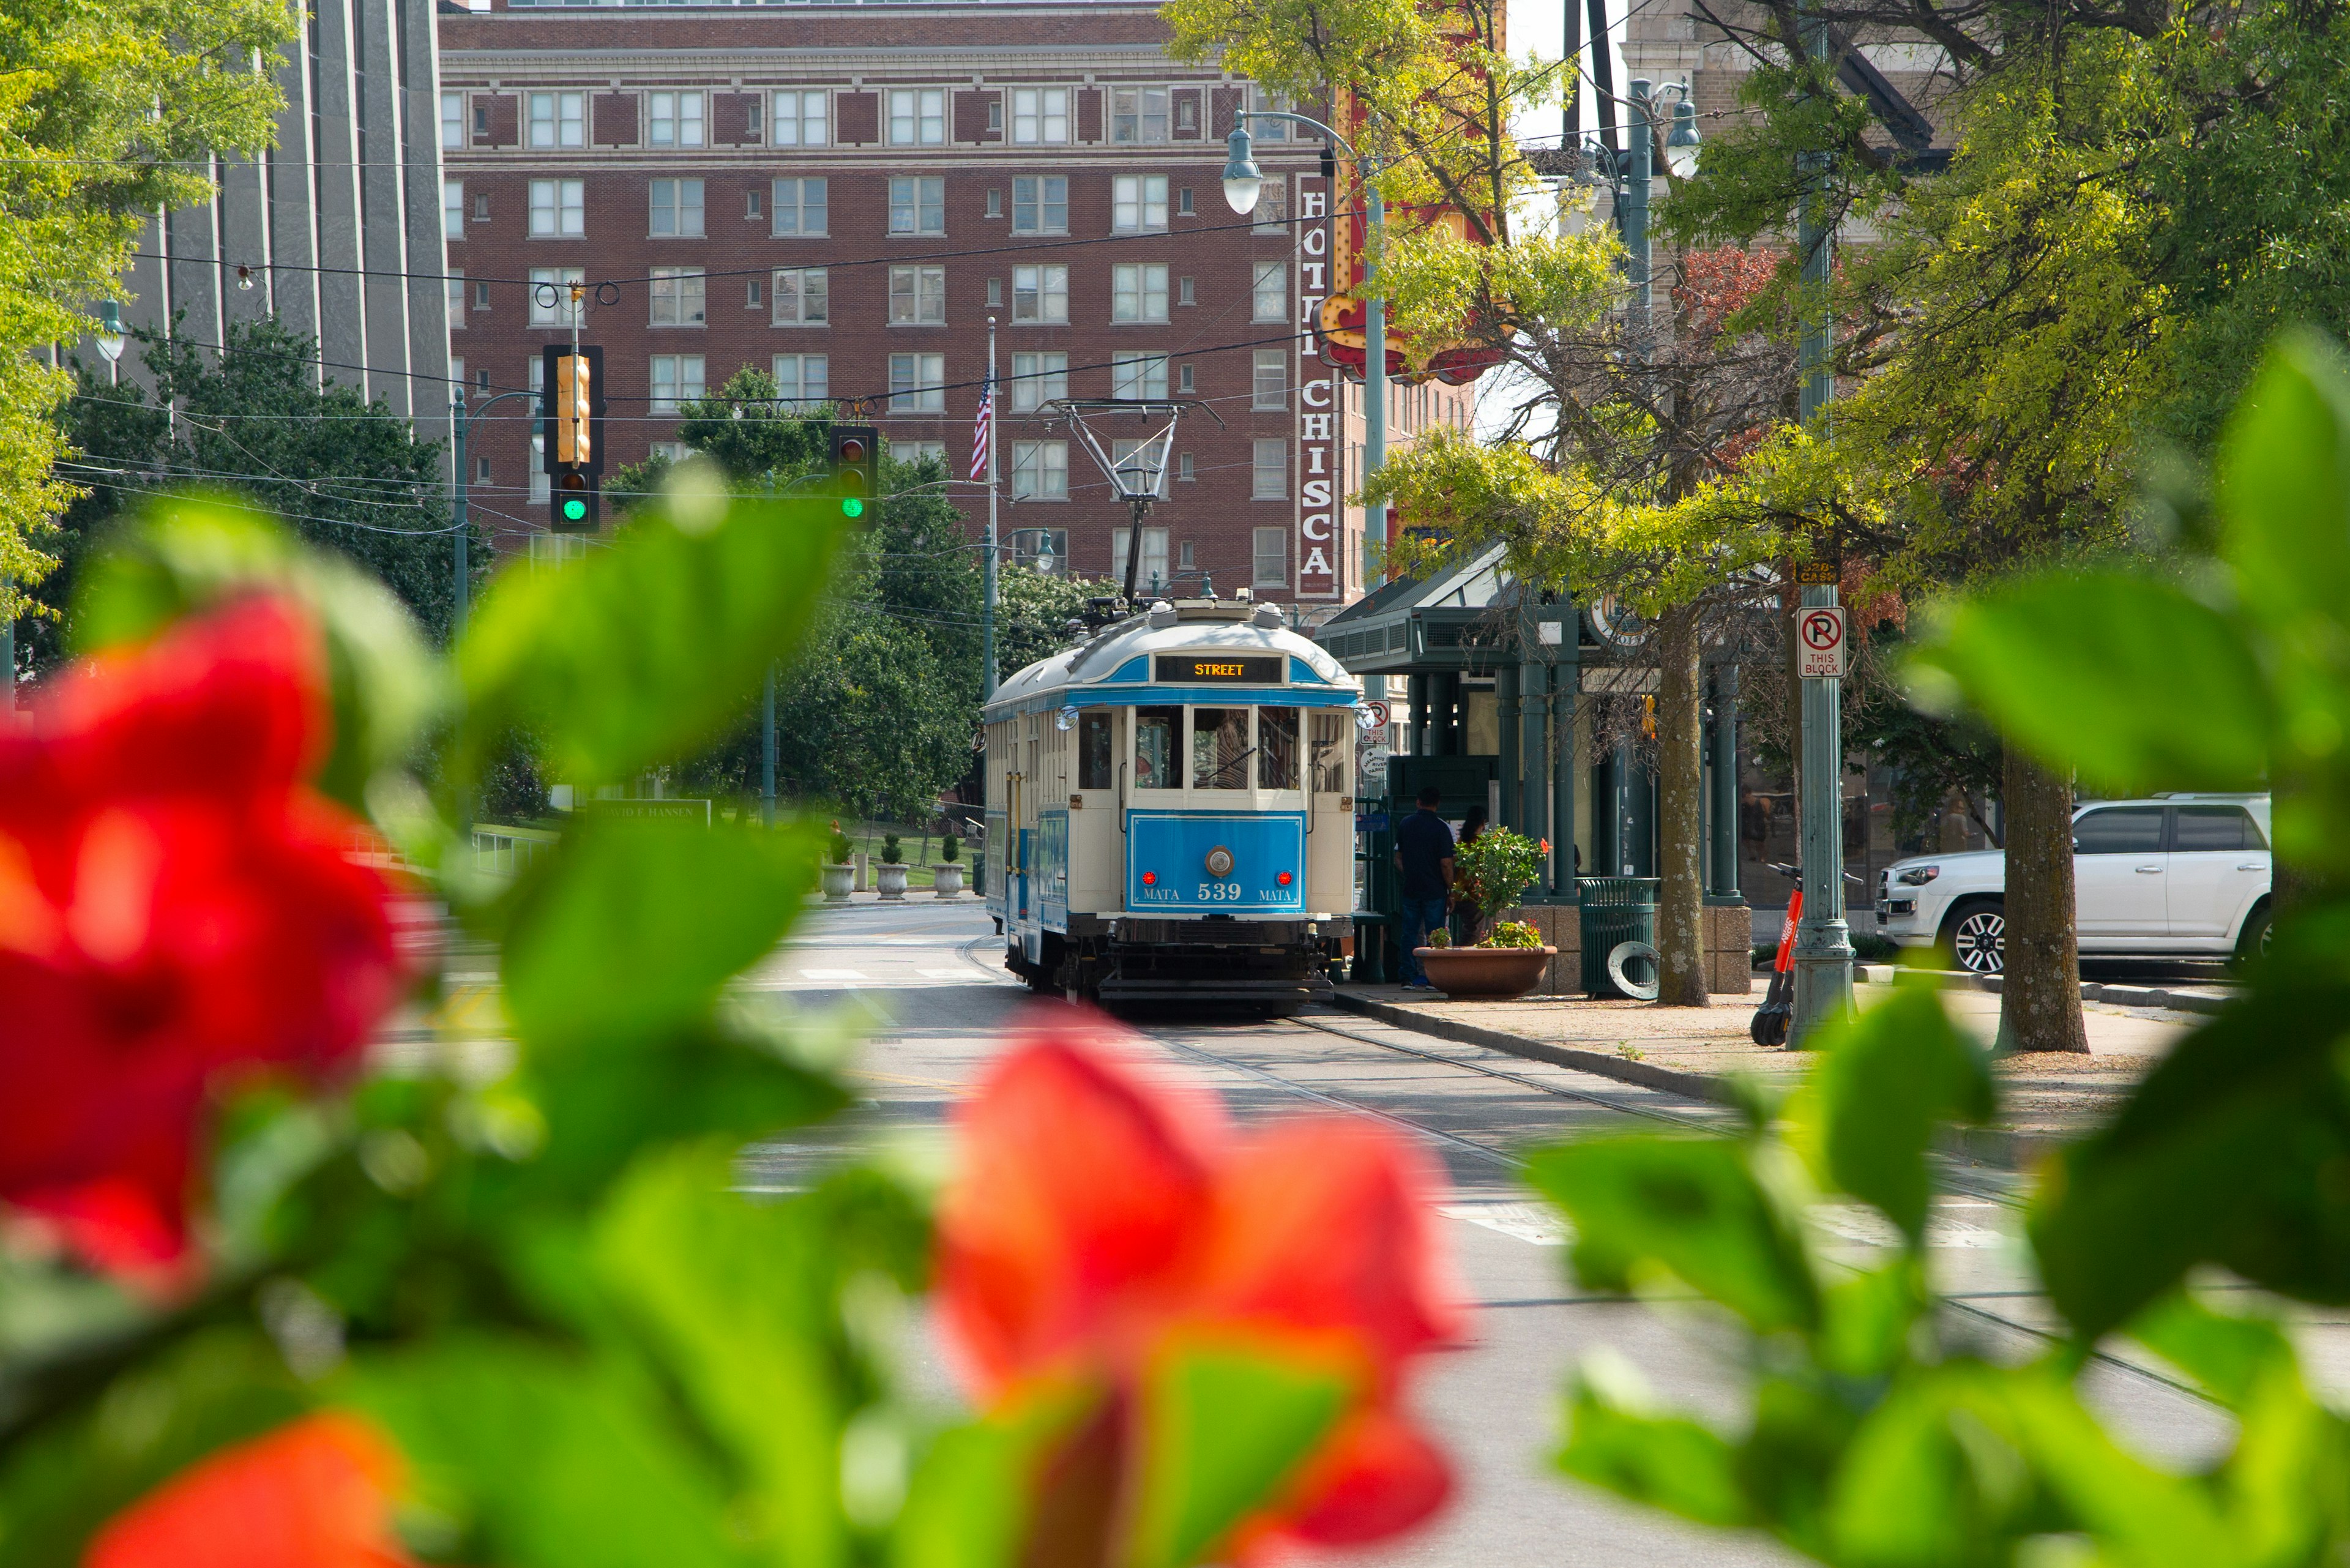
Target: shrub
x,y
836,846
1491,873
890,853
1439,938
1513,934
950,848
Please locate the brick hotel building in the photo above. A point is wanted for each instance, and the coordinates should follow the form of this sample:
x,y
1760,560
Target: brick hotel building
x,y
844,194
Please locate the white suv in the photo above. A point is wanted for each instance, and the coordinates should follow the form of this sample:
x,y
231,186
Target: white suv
x,y
2176,875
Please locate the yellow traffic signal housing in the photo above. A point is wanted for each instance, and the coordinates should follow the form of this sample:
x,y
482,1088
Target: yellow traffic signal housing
x,y
575,410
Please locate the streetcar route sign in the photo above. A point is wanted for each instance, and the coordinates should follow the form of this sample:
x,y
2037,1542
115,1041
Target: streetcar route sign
x,y
1819,642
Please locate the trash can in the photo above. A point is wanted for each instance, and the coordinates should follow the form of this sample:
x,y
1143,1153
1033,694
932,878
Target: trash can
x,y
1614,909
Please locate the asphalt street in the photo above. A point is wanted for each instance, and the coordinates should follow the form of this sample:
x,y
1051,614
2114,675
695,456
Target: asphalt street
x,y
928,976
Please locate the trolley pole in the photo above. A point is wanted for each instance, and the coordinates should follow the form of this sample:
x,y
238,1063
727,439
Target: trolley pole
x,y
987,562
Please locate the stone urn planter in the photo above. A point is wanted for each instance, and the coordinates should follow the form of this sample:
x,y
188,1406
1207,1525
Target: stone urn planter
x,y
837,880
1486,974
891,880
947,877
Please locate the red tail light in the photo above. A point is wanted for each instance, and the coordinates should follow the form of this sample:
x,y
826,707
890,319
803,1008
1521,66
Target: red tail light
x,y
1285,878
1150,878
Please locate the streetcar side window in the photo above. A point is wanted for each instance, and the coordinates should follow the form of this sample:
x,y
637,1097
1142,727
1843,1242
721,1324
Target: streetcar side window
x,y
1220,748
1334,733
1096,748
1158,748
1277,748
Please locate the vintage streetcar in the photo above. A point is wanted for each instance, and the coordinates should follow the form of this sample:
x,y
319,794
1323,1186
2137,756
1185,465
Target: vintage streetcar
x,y
1171,812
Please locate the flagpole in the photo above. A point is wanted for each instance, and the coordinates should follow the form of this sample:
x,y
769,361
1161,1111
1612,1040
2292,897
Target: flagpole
x,y
987,603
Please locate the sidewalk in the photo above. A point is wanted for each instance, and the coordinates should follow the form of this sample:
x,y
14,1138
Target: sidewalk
x,y
2044,1097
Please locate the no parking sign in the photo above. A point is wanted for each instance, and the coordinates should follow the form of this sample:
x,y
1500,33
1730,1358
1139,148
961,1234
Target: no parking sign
x,y
1819,642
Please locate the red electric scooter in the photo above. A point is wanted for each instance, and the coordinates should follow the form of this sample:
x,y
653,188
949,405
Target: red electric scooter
x,y
1777,1012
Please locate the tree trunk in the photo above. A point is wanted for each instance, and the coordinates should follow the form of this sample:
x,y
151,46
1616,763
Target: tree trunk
x,y
1680,820
2040,1000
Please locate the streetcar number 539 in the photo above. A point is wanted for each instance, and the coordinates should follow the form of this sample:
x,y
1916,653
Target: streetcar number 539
x,y
1219,892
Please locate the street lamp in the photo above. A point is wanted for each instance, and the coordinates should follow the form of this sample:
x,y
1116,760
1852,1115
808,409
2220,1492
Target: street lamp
x,y
110,337
1244,183
1681,146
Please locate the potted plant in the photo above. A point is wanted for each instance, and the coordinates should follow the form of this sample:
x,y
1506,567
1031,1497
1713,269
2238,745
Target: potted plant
x,y
1509,959
892,876
837,871
947,875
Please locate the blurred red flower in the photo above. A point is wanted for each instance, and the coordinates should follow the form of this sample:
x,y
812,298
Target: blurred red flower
x,y
174,900
1097,1217
315,1493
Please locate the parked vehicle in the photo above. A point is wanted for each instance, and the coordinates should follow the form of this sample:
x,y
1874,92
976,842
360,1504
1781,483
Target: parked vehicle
x,y
2174,875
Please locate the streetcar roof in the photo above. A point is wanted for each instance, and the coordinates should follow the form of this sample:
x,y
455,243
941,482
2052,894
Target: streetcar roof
x,y
1115,666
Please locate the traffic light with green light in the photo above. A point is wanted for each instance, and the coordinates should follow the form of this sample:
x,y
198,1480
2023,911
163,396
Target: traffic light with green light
x,y
856,467
571,429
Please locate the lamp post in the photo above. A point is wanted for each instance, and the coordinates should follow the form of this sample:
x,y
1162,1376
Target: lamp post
x,y
1244,183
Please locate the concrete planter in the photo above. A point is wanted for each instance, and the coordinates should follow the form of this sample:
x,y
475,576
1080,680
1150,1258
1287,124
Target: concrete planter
x,y
1490,974
891,879
837,880
948,877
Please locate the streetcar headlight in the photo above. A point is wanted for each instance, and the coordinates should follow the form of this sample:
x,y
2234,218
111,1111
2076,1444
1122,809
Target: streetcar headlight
x,y
1066,719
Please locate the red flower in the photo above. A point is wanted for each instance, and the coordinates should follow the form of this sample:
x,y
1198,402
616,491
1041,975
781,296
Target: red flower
x,y
174,900
1098,1218
314,1494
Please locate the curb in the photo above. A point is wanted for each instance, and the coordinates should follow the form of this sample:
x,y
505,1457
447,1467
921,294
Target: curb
x,y
2091,990
2004,1147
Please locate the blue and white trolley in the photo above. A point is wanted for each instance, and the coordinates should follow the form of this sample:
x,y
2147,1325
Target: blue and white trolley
x,y
1171,811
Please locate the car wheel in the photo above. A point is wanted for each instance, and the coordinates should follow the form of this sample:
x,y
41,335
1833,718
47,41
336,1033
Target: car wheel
x,y
2253,942
1976,935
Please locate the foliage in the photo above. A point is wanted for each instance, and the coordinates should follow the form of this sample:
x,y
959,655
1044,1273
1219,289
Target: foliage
x,y
109,112
1513,934
835,847
890,853
950,848
345,472
1491,870
1033,612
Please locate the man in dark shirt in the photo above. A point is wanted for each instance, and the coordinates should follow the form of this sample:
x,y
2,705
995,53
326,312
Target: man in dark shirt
x,y
1423,854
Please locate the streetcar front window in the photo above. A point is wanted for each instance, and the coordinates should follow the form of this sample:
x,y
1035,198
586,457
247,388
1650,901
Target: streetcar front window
x,y
1097,749
1277,748
1219,746
1158,748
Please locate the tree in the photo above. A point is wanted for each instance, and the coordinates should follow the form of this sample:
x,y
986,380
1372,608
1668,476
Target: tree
x,y
1033,612
348,474
110,111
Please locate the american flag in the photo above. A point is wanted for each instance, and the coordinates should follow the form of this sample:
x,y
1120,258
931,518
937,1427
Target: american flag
x,y
980,429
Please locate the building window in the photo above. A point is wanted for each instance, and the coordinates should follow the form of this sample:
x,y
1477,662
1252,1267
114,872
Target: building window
x,y
1183,561
1137,114
753,204
1268,475
1270,559
559,119
481,471
1270,296
1183,202
995,201
558,209
918,296
918,116
1047,550
676,379
1040,294
918,205
1184,473
918,383
1183,292
751,121
996,114
755,293
1137,292
457,373
1130,460
457,303
1187,113
453,120
1151,572
1269,385
804,380
481,119
800,207
539,481
677,296
802,297
553,550
1265,102
481,209
1040,116
1137,376
551,303
1183,382
801,118
1038,379
1272,207
677,208
1138,203
482,380
673,120
994,292
480,295
1041,205
1040,471
918,451
452,209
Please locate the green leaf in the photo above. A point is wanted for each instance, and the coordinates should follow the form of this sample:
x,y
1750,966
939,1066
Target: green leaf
x,y
637,654
548,1461
2229,1356
2284,484
2229,1152
2124,678
1226,1424
1887,1078
968,1505
1868,1316
187,554
630,929
1926,1480
1691,1208
1668,1462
